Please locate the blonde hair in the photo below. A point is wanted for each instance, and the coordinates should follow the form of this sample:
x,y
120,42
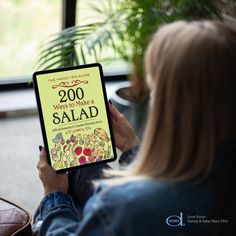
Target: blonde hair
x,y
192,66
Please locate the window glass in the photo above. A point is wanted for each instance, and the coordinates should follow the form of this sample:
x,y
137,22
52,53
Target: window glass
x,y
25,25
86,13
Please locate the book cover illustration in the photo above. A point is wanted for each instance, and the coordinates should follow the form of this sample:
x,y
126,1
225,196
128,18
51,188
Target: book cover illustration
x,y
75,117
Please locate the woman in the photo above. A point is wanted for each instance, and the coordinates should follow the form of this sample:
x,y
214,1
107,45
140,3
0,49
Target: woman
x,y
181,181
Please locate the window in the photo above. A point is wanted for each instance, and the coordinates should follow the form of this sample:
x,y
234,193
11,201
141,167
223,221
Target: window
x,y
87,13
25,24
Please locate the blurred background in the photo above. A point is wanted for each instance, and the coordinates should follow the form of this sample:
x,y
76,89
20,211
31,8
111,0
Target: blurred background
x,y
45,34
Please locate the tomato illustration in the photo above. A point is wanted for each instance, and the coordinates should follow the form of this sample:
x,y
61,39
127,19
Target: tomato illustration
x,y
78,151
82,160
87,152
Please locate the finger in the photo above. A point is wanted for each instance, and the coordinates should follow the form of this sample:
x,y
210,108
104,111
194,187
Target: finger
x,y
116,115
43,156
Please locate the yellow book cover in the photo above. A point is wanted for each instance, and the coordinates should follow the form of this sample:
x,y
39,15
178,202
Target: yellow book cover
x,y
72,106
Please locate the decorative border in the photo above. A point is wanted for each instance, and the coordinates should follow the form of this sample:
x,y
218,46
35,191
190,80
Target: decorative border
x,y
67,84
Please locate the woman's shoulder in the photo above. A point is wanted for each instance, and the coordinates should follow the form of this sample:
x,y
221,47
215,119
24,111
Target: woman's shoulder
x,y
156,193
122,193
131,186
143,185
133,192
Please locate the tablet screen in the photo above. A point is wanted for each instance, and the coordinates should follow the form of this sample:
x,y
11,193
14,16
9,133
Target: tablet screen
x,y
73,110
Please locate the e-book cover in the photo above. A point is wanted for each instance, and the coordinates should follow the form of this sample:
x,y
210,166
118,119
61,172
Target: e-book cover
x,y
74,116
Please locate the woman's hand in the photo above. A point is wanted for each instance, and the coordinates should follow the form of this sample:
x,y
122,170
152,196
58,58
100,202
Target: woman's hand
x,y
124,134
52,182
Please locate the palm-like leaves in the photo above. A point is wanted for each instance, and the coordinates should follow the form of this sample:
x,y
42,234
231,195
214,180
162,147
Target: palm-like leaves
x,y
73,45
126,28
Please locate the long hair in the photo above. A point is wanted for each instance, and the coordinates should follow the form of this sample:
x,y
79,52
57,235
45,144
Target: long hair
x,y
192,66
192,69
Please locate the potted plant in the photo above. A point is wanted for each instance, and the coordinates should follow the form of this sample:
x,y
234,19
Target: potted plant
x,y
126,29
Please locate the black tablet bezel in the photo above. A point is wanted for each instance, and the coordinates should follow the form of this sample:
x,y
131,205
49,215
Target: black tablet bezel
x,y
35,83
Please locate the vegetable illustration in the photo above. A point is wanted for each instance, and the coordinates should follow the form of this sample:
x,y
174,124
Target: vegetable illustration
x,y
93,138
82,160
57,147
108,152
53,152
91,159
62,142
101,133
87,152
100,152
78,151
59,164
75,143
58,138
65,164
80,148
55,158
102,143
72,138
99,158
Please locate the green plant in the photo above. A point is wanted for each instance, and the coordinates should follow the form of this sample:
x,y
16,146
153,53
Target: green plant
x,y
83,43
126,29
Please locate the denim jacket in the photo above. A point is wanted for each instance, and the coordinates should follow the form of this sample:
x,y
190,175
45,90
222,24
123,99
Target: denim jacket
x,y
137,207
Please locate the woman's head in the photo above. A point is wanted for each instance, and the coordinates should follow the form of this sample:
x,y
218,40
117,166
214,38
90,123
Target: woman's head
x,y
191,68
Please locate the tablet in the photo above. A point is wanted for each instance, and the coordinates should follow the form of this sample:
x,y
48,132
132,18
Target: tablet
x,y
74,116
